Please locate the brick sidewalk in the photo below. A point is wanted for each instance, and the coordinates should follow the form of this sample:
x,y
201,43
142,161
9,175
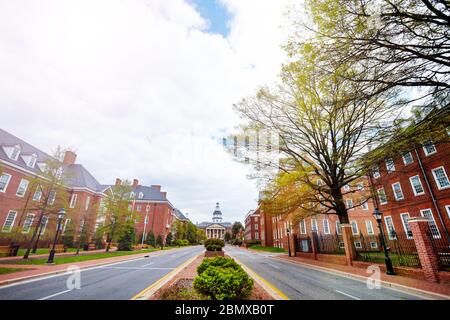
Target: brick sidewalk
x,y
439,288
41,270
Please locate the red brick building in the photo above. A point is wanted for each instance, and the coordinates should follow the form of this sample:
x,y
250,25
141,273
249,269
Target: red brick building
x,y
21,168
415,184
252,226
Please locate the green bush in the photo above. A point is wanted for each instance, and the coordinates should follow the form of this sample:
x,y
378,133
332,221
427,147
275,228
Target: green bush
x,y
217,262
126,240
252,243
236,242
214,244
222,279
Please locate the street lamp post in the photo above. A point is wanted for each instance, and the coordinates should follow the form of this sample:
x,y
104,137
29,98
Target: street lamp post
x,y
147,210
51,256
389,269
289,243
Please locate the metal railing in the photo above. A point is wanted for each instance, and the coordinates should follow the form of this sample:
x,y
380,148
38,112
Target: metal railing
x,y
441,247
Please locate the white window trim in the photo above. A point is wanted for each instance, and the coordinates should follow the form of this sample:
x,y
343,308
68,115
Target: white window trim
x,y
338,227
349,207
436,179
404,224
447,208
403,157
365,205
395,194
32,215
425,149
369,222
376,172
357,228
389,162
327,223
414,189
7,183
88,203
438,236
73,201
45,225
12,223
302,227
385,196
25,190
387,226
314,224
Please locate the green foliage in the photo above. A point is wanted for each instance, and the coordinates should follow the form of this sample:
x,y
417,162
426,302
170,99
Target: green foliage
x,y
150,240
214,244
227,236
159,241
252,243
126,240
67,237
169,239
268,249
222,280
236,228
181,243
236,242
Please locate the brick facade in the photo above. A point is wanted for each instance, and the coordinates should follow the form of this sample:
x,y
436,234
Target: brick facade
x,y
252,226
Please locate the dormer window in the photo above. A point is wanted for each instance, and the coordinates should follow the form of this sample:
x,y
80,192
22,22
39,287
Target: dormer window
x,y
15,152
132,195
32,162
141,195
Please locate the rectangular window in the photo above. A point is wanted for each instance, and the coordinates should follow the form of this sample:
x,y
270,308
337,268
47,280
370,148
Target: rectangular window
x,y
88,201
364,204
4,181
360,186
390,227
349,204
382,196
73,200
256,235
314,225
346,188
28,223
405,218
37,194
416,185
256,226
326,226
369,227
354,227
358,245
138,208
44,223
23,185
66,223
302,227
9,221
51,197
398,193
427,213
407,158
376,172
338,227
441,178
373,244
390,166
429,148
448,211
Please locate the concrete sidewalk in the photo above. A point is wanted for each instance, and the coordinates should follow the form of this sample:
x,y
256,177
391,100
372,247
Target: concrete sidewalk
x,y
44,255
394,281
34,271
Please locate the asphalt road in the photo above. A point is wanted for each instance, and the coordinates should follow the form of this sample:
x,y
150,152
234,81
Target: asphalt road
x,y
116,281
301,283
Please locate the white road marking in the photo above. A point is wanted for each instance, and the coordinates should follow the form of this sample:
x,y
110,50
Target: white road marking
x,y
148,264
137,268
348,295
274,266
54,295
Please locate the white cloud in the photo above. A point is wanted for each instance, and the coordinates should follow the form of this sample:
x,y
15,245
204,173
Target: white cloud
x,y
139,88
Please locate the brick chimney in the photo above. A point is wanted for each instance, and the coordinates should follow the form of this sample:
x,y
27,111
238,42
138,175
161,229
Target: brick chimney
x,y
69,158
135,182
164,194
118,182
156,186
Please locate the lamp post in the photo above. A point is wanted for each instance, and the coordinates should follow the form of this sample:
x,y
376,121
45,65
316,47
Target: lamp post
x,y
289,243
51,256
147,210
389,269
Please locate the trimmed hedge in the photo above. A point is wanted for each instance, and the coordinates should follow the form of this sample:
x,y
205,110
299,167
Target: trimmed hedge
x,y
222,279
214,244
252,243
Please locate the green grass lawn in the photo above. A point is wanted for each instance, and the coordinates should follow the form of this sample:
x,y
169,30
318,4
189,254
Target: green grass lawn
x,y
11,270
397,260
268,249
43,251
79,258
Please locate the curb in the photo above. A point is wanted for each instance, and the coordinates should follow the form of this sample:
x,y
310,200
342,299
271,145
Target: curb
x,y
391,285
56,272
158,284
270,288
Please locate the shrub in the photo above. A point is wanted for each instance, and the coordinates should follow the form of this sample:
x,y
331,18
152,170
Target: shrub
x,y
184,242
252,243
236,242
126,241
214,244
217,262
222,279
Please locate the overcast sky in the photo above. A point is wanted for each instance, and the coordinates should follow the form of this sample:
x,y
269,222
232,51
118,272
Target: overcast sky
x,y
141,88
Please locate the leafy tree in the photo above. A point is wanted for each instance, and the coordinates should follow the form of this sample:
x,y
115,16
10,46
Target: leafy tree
x,y
191,233
227,236
236,228
160,241
118,213
150,240
68,236
127,238
169,239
